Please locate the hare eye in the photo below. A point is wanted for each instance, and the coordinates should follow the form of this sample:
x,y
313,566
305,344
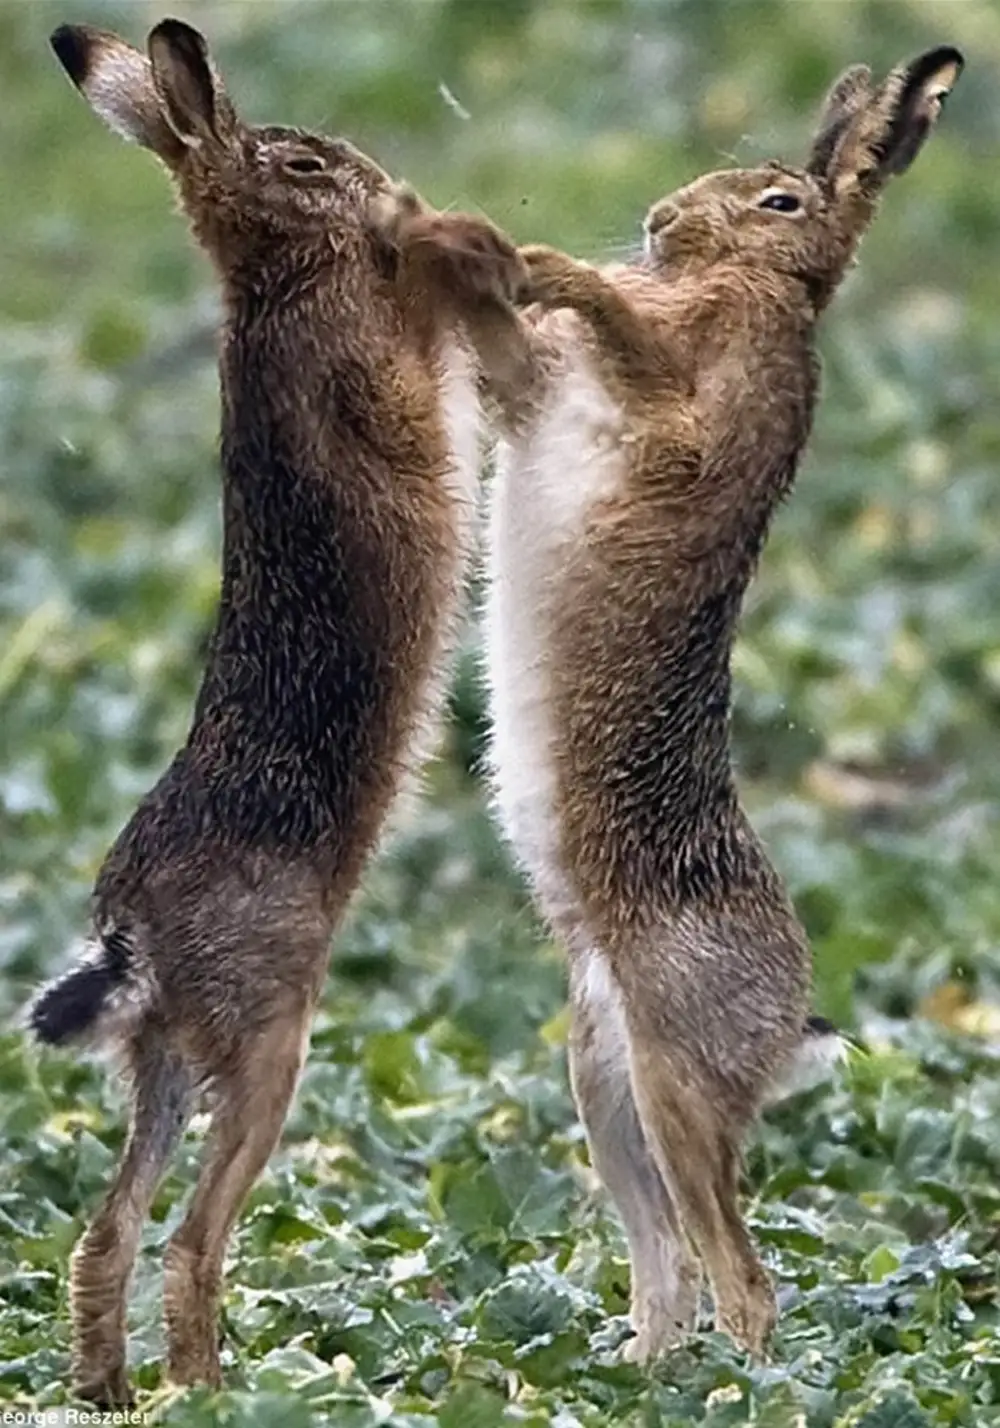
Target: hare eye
x,y
305,164
781,202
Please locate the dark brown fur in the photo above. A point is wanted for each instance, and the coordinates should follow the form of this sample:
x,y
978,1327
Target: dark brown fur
x,y
346,529
627,525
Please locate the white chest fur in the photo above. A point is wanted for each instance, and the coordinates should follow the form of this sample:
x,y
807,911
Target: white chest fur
x,y
547,482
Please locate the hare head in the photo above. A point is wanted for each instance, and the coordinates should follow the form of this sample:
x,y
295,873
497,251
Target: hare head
x,y
243,187
805,223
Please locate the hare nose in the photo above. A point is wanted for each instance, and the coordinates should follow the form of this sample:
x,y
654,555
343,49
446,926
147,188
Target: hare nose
x,y
662,216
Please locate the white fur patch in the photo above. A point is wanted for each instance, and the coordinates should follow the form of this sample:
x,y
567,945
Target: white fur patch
x,y
595,987
548,479
812,1063
126,1004
119,86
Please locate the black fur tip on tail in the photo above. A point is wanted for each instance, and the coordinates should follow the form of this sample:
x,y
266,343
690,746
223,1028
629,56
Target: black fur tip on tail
x,y
69,1007
820,1027
823,1044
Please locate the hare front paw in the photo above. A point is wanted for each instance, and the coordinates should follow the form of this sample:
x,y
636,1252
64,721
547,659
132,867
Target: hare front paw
x,y
553,279
485,262
392,213
469,251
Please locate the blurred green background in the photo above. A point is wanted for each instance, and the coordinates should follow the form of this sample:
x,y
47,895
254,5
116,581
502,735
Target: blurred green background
x,y
424,1228
868,674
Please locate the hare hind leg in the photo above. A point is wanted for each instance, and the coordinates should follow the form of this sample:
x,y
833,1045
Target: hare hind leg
x,y
251,1103
699,1153
666,1276
102,1262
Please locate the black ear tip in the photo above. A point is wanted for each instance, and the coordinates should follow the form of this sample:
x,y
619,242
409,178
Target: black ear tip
x,y
948,54
179,35
933,61
72,51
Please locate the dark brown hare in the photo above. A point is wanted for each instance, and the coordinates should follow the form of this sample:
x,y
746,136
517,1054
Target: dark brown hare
x,y
350,454
653,418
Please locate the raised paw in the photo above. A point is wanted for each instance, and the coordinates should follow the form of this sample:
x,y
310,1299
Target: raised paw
x,y
477,256
392,212
473,256
553,278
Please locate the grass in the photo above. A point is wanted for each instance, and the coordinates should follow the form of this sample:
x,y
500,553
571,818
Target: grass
x,y
427,1247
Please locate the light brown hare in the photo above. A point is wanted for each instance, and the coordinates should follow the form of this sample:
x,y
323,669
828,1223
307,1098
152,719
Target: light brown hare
x,y
350,455
653,417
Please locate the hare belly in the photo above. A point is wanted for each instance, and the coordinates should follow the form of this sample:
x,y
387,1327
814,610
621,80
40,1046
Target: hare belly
x,y
546,485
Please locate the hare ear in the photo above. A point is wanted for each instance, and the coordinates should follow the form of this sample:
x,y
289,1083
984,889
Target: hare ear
x,y
118,83
886,132
191,92
850,93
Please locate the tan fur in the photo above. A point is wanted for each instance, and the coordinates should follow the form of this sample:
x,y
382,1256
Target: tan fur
x,y
661,416
350,460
